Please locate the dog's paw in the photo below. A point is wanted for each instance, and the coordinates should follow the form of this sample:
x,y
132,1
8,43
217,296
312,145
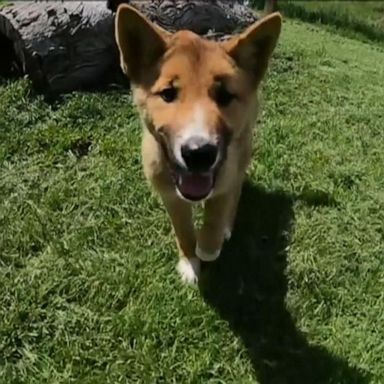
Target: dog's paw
x,y
206,256
227,233
189,269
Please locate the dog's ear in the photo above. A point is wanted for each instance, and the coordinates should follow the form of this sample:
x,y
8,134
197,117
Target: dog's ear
x,y
140,42
253,48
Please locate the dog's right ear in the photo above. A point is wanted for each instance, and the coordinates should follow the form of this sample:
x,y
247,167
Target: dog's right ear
x,y
140,42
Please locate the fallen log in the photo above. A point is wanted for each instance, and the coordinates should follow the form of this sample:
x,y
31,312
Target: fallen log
x,y
69,45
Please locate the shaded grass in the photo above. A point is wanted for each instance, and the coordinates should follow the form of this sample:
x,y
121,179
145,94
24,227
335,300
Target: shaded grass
x,y
362,19
88,290
248,287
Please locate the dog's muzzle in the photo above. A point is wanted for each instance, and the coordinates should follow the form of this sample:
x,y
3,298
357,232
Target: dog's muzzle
x,y
195,180
194,172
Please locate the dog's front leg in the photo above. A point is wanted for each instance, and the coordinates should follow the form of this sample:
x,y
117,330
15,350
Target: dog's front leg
x,y
180,213
219,213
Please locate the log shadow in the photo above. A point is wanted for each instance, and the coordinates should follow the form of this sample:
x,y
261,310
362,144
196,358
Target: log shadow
x,y
10,67
247,286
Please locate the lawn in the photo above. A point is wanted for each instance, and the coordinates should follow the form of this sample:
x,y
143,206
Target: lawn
x,y
359,19
88,288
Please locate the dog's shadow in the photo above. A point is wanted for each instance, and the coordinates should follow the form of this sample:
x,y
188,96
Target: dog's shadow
x,y
247,286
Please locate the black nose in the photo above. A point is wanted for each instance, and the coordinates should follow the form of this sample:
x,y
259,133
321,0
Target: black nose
x,y
198,155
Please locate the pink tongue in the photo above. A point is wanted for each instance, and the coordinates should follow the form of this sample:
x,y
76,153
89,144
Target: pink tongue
x,y
195,185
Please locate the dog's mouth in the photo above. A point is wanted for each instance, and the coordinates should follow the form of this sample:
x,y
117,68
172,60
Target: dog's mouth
x,y
194,186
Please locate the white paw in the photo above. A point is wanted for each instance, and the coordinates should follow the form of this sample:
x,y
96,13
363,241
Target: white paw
x,y
227,233
189,269
205,256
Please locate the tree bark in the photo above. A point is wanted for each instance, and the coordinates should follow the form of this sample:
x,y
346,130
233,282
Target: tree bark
x,y
69,45
270,6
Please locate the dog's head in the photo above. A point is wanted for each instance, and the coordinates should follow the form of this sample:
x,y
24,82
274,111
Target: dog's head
x,y
195,95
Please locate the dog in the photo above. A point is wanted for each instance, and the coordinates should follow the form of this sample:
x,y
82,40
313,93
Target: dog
x,y
197,99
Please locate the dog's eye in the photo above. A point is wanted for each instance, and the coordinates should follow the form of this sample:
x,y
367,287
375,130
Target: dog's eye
x,y
168,94
223,97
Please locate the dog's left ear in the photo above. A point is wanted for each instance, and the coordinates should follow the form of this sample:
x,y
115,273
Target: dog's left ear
x,y
253,48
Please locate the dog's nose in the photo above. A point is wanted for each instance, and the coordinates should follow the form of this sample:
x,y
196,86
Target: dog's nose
x,y
198,154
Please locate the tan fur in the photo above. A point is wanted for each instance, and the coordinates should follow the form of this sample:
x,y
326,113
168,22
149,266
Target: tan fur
x,y
154,60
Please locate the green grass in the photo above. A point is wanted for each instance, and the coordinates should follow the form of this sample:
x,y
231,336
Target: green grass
x,y
361,19
88,290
